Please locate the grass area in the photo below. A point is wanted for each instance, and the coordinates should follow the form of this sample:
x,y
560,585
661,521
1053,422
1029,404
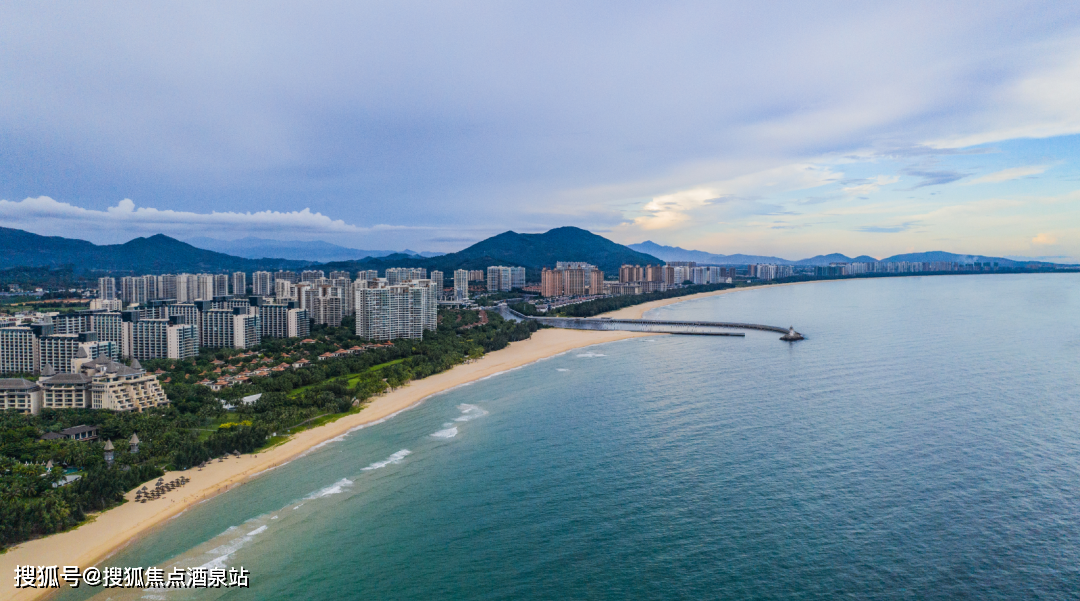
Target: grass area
x,y
351,380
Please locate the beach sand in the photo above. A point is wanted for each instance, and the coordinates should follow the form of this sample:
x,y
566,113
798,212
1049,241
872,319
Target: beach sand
x,y
110,531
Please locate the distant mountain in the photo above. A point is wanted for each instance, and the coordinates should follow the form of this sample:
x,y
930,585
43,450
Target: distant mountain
x,y
531,251
156,254
674,253
938,255
315,250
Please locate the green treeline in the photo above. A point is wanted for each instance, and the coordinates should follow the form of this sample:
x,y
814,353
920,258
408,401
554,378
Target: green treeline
x,y
197,426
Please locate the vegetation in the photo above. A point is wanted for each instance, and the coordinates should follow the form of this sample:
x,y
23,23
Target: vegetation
x,y
200,424
613,303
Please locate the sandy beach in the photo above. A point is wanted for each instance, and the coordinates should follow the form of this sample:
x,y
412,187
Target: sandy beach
x,y
111,530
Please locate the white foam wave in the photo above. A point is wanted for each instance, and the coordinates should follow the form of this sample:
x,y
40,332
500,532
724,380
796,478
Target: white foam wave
x,y
561,369
395,458
447,433
590,355
333,489
224,552
469,412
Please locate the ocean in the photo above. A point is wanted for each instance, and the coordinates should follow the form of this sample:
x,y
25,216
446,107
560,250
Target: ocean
x,y
923,442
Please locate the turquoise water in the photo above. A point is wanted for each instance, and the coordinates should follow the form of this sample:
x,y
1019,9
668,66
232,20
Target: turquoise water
x,y
922,443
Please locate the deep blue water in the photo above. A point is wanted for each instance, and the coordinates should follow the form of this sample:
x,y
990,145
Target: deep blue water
x,y
922,443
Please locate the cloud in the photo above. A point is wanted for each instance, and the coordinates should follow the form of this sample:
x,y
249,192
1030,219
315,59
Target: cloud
x,y
48,216
672,209
887,229
933,177
1009,174
1044,239
869,186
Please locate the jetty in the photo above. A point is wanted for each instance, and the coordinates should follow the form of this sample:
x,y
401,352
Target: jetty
x,y
657,326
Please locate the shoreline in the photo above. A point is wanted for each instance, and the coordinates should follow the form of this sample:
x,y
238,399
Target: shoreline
x,y
110,531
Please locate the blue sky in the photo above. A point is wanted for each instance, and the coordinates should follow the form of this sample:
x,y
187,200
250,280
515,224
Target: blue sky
x,y
790,129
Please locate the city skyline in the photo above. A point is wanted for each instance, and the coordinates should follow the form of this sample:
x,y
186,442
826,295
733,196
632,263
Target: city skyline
x,y
789,132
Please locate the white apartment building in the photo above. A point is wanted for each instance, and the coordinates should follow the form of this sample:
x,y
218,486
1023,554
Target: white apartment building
x,y
19,350
107,288
262,283
239,283
400,275
461,285
498,279
387,312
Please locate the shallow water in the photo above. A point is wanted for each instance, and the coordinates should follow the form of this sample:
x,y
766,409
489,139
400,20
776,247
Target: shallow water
x,y
923,442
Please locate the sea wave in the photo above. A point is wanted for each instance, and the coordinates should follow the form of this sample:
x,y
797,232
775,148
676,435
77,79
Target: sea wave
x,y
590,355
225,551
447,433
469,412
395,458
333,489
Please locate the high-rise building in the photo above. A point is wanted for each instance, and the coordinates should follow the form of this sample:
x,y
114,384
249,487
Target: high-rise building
x,y
461,285
216,328
274,319
239,283
340,275
437,279
498,279
476,275
574,279
288,276
245,328
310,275
385,312
186,313
344,288
60,351
108,326
205,290
182,341
517,278
149,339
400,275
371,275
167,287
107,288
262,283
19,350
631,273
299,323
284,290
133,289
221,285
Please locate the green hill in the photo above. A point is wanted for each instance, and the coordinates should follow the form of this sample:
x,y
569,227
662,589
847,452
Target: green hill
x,y
531,251
153,255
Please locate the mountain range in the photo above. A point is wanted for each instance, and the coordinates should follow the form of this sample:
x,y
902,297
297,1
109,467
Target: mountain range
x,y
299,250
531,251
675,253
155,254
162,254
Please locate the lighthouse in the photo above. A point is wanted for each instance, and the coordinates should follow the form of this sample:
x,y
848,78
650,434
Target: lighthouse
x,y
791,335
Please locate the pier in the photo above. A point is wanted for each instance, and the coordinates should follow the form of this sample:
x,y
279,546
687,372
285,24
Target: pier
x,y
657,326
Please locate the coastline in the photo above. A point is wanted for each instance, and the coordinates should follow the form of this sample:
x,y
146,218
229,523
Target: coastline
x,y
109,531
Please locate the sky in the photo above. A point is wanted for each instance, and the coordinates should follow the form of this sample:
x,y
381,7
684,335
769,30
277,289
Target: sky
x,y
788,129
